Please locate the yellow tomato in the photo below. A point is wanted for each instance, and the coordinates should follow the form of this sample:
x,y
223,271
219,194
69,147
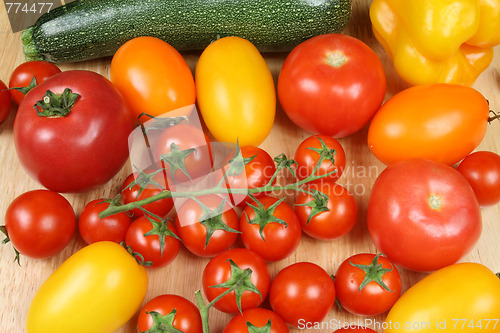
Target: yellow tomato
x,y
463,297
235,91
97,290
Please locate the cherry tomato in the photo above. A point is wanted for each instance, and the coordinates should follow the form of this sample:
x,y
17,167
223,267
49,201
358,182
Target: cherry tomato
x,y
423,215
482,171
331,84
23,75
231,266
94,229
154,243
270,228
40,223
152,76
316,148
355,329
258,317
181,313
329,224
218,230
367,284
302,294
5,102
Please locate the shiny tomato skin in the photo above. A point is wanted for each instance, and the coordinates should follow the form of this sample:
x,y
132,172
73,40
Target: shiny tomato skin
x,y
152,76
423,215
373,299
85,149
187,317
482,171
334,223
40,223
441,122
5,102
302,294
94,229
23,74
258,317
218,270
307,159
331,84
279,241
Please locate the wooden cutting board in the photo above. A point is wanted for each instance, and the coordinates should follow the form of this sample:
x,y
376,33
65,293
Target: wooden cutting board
x,y
183,276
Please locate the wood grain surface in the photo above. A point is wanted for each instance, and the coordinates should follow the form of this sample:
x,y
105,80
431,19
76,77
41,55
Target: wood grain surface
x,y
183,276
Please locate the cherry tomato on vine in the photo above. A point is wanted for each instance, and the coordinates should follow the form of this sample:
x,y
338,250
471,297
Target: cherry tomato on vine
x,y
482,171
265,319
5,102
29,74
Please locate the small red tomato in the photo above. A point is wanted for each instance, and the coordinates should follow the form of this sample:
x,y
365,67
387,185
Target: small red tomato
x,y
29,74
94,229
263,319
367,284
5,102
324,150
482,171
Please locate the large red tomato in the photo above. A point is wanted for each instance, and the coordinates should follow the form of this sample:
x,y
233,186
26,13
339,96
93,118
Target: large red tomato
x,y
423,215
264,319
76,151
331,84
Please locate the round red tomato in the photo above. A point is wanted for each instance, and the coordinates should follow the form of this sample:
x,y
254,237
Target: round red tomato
x,y
320,148
5,102
367,284
145,184
302,294
331,84
482,171
153,243
229,267
27,75
216,232
270,228
78,151
355,329
94,229
40,223
169,313
423,215
256,317
329,224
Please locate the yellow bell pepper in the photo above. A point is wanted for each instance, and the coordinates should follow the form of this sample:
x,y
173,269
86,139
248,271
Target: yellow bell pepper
x,y
433,41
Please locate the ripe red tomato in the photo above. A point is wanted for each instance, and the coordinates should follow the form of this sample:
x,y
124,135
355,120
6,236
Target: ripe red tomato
x,y
215,233
482,171
153,243
82,150
355,329
231,264
316,148
367,284
327,225
423,215
94,229
258,317
302,294
181,313
5,102
273,231
331,84
22,77
40,223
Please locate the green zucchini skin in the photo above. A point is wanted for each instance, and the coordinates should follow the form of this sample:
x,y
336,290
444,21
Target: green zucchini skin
x,y
88,29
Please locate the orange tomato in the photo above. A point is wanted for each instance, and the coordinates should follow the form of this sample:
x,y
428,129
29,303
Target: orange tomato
x,y
152,76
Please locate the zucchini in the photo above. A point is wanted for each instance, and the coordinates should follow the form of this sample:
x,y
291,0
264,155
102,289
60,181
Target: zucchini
x,y
87,29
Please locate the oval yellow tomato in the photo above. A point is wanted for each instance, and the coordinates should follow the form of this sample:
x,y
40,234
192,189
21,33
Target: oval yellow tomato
x,y
462,297
235,90
98,289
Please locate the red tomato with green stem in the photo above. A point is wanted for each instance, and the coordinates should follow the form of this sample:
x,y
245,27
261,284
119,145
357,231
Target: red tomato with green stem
x,y
40,223
320,155
367,284
226,269
331,84
29,74
169,313
257,318
94,229
482,171
5,102
270,228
